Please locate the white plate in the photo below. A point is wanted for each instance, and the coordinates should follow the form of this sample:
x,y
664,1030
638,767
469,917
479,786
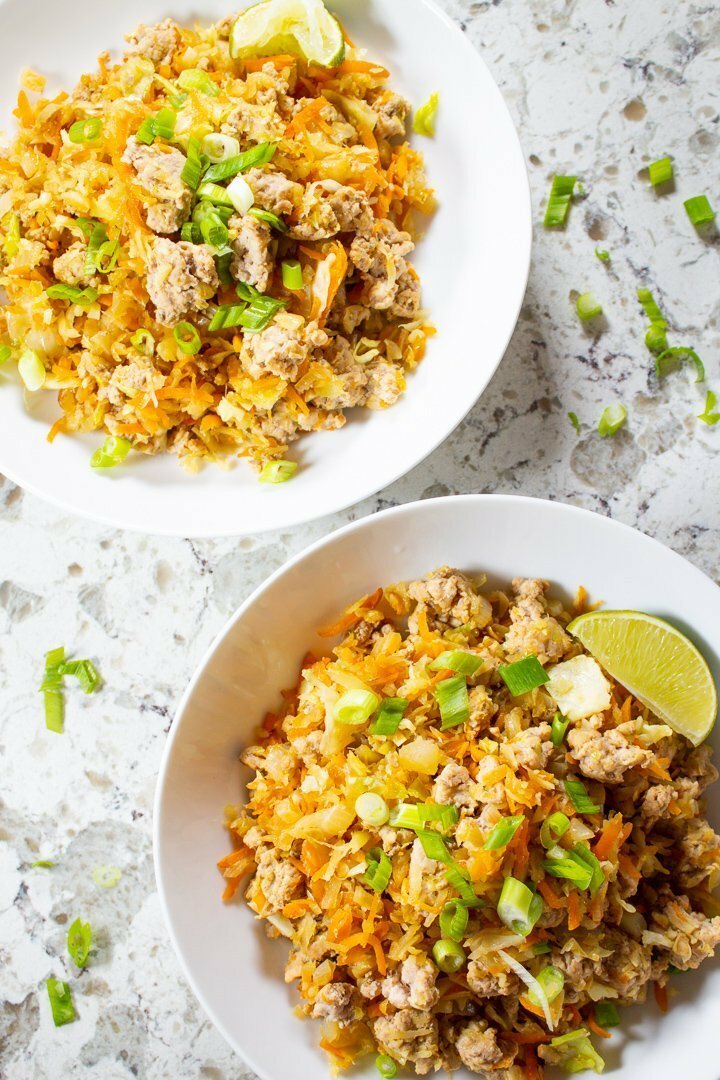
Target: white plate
x,y
233,968
473,262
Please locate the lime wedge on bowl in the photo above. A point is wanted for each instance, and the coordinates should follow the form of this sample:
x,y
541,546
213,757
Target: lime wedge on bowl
x,y
656,663
299,27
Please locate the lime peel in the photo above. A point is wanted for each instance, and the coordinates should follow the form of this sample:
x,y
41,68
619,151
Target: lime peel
x,y
298,27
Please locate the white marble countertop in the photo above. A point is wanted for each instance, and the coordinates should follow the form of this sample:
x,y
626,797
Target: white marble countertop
x,y
595,88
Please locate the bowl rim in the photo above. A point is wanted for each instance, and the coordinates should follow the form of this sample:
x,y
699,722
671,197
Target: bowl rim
x,y
367,522
303,515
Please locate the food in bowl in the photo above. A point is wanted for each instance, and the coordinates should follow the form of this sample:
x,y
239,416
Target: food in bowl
x,y
477,842
205,248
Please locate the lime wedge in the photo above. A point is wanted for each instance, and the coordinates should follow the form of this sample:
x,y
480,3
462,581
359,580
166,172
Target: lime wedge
x,y
656,663
299,27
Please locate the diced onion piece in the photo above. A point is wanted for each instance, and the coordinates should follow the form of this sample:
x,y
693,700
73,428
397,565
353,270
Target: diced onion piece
x,y
372,808
579,687
32,370
531,983
281,924
218,147
240,194
421,756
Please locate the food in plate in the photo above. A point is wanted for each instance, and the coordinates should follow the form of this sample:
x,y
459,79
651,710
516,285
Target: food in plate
x,y
477,842
205,248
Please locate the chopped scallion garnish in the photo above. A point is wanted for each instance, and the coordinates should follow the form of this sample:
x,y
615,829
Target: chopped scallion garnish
x,y
660,171
388,717
31,370
270,219
611,420
214,193
85,131
710,415
453,920
524,675
79,940
426,115
587,306
448,955
606,1014
503,832
519,908
602,254
559,199
238,163
669,359
386,1067
217,147
452,698
197,79
112,452
699,210
187,338
379,870
5,353
143,341
106,876
292,277
559,727
573,418
464,663
580,798
553,828
277,472
61,1002
551,981
372,809
195,164
355,707
435,847
76,295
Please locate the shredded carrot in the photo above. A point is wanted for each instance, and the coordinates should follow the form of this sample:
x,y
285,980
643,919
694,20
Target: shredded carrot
x,y
532,1071
311,253
526,1038
308,115
353,615
609,837
550,896
231,888
314,856
296,908
627,866
574,912
279,61
594,1026
339,924
363,67
661,997
379,954
233,858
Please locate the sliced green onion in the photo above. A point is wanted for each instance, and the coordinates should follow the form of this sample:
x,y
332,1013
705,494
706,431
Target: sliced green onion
x,y
699,210
178,100
112,452
270,219
563,864
84,671
292,277
386,1066
217,147
464,663
277,472
214,231
11,223
379,870
606,1014
106,256
578,1053
165,122
78,942
51,688
223,260
260,313
61,1002
452,698
611,420
652,310
579,797
656,338
541,948
670,358
559,198
453,920
583,852
587,306
106,876
85,131
524,675
42,864
415,815
196,79
459,881
187,338
448,955
435,847
195,164
503,832
191,233
355,707
247,292
76,295
143,341
146,132
32,370
553,828
660,171
240,194
518,907
558,729
54,712
5,353
710,415
227,315
425,116
388,717
214,193
602,254
552,983
372,809
573,418
98,237
231,166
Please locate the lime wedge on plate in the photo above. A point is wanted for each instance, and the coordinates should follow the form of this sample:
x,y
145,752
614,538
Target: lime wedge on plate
x,y
656,663
298,27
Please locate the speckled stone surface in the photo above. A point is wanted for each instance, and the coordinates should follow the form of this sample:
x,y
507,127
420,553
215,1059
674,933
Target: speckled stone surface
x,y
595,88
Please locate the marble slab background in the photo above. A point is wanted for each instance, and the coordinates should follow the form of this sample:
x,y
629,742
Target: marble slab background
x,y
595,88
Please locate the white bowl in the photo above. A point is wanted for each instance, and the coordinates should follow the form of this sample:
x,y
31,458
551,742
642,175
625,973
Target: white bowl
x,y
473,263
233,968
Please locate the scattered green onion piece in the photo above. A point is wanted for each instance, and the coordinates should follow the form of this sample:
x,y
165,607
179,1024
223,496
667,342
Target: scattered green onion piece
x,y
231,166
503,832
98,237
260,313
518,907
558,729
112,452
452,698
459,881
292,277
602,254
541,948
106,876
52,678
553,828
660,171
222,265
587,306
379,870
214,231
355,707
270,219
191,233
573,418
178,100
143,341
611,420
578,1053
277,472
699,210
79,940
217,147
416,815
187,338
579,797
672,970
85,131
5,353
76,295
558,203
563,864
710,415
524,675
464,663
448,955
656,338
372,809
668,359
165,122
425,116
196,79
106,256
386,1066
552,983
146,132
84,671
453,920
195,164
32,370
651,308
606,1014
214,193
11,223
42,864
583,852
53,701
227,315
247,292
435,847
61,1002
388,717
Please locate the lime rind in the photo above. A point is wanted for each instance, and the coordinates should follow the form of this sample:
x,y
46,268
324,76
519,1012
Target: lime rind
x,y
298,27
657,663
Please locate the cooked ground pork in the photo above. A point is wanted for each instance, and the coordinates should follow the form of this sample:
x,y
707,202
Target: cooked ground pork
x,y
335,1002
604,755
532,631
479,1050
448,598
181,278
156,43
273,191
409,1037
454,785
282,347
159,171
70,266
253,251
413,985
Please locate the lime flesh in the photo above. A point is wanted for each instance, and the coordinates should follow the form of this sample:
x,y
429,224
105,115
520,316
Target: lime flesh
x,y
299,27
656,663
